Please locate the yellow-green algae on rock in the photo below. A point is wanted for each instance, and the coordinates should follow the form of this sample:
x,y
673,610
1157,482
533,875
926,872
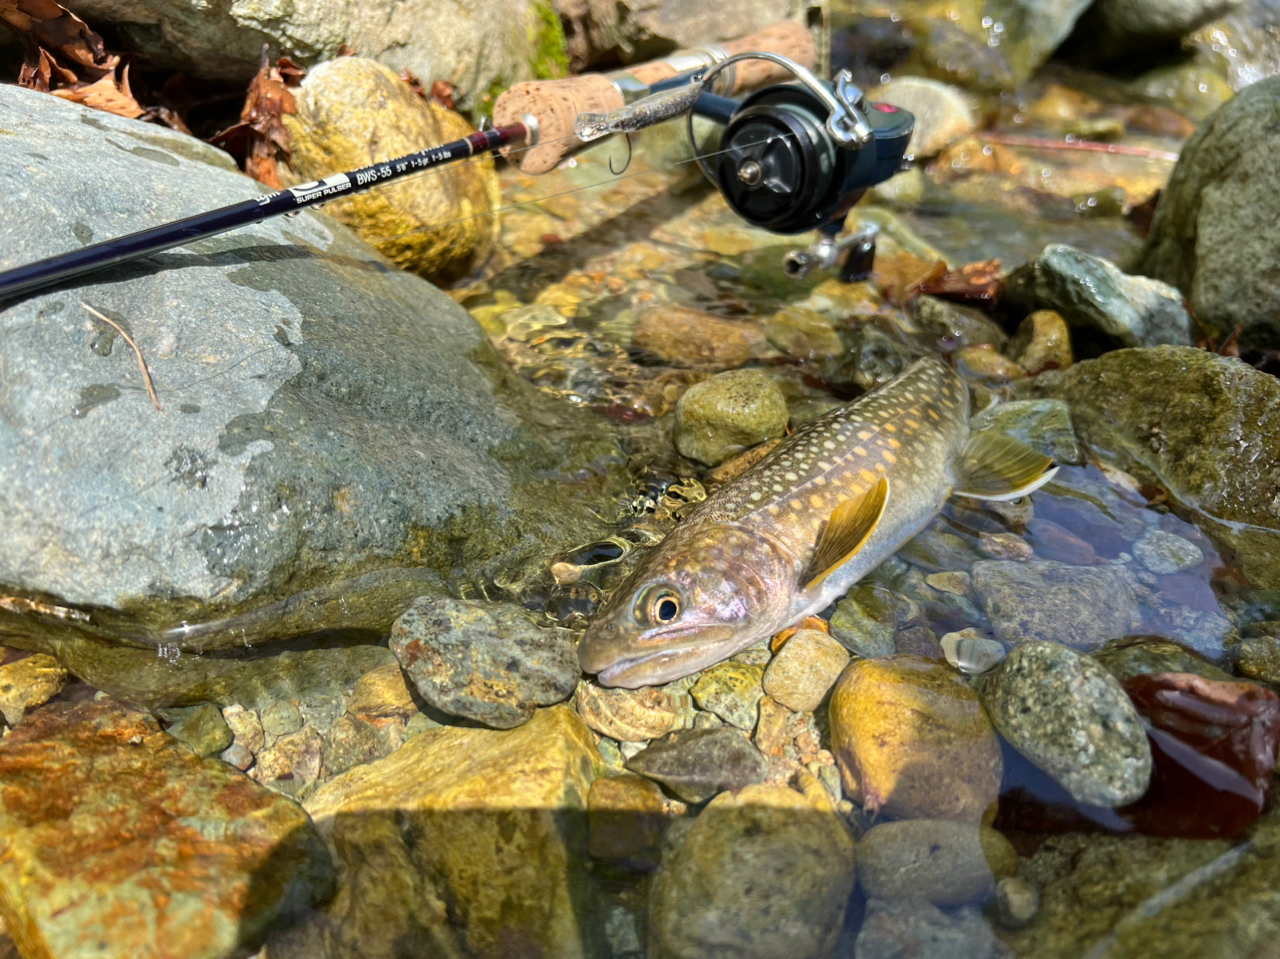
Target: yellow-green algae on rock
x,y
463,842
353,112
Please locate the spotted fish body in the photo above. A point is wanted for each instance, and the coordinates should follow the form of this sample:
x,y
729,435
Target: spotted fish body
x,y
742,565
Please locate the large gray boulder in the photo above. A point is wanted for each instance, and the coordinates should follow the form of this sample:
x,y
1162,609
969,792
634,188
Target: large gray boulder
x,y
477,45
1216,232
337,436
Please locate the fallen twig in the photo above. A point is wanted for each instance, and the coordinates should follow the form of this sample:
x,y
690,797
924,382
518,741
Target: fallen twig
x,y
142,364
1092,146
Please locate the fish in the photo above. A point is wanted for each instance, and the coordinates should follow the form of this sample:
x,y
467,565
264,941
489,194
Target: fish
x,y
796,531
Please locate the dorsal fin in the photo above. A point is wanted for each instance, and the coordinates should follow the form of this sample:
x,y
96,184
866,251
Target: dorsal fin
x,y
846,532
998,467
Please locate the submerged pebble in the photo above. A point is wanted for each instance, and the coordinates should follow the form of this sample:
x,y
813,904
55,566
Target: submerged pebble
x,y
488,662
1166,553
696,338
201,727
891,923
913,742
625,819
970,652
864,622
633,715
946,862
1140,655
1072,718
1042,342
1080,606
1016,903
805,669
761,874
696,764
720,417
731,691
27,683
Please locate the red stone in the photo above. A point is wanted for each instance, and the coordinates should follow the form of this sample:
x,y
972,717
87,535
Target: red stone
x,y
1214,746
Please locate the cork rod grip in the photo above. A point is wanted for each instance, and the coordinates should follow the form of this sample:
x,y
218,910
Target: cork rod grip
x,y
557,103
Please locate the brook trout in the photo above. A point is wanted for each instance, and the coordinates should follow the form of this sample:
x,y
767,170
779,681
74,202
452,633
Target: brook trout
x,y
794,533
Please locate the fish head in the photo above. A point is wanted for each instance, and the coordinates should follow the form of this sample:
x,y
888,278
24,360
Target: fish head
x,y
693,603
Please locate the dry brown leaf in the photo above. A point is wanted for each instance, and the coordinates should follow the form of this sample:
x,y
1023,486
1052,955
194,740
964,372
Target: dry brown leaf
x,y
260,139
49,26
106,94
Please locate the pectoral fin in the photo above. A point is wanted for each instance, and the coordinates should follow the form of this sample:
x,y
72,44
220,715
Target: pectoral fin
x,y
998,467
846,532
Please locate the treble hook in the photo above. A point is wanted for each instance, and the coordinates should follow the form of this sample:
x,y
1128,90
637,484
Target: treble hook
x,y
627,137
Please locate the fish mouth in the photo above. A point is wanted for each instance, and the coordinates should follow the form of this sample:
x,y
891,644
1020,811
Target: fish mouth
x,y
657,666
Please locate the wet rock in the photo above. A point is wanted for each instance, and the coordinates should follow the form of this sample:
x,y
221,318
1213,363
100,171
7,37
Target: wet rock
x,y
941,111
864,622
323,711
913,742
246,727
802,333
987,366
1044,425
279,718
27,683
1081,606
625,819
118,840
484,661
1190,439
633,715
688,337
1016,903
1116,28
1098,889
382,694
948,863
938,551
950,326
731,691
889,923
696,764
763,873
1258,657
1055,542
1192,89
200,727
805,669
1166,553
1214,750
353,112
291,764
226,44
1071,718
724,415
302,377
1042,342
1005,546
349,742
1093,294
1204,630
970,652
1140,655
873,360
489,821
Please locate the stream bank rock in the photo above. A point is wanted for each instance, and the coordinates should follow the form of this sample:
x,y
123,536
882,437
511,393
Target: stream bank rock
x,y
336,434
763,873
1216,231
117,840
1205,427
476,47
1094,295
460,843
353,112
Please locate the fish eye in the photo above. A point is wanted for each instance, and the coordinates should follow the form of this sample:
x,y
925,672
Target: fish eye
x,y
658,606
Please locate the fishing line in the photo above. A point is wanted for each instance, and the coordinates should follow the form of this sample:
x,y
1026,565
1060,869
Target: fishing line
x,y
549,196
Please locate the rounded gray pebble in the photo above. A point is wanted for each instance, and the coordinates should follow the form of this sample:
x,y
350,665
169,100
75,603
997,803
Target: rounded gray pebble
x,y
1016,903
1072,718
1166,553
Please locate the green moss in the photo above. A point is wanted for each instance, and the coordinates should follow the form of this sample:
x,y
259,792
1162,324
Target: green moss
x,y
546,36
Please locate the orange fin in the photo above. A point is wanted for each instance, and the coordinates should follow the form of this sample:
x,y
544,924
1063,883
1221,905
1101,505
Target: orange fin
x,y
847,530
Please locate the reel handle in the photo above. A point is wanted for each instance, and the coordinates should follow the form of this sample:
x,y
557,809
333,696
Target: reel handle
x,y
557,103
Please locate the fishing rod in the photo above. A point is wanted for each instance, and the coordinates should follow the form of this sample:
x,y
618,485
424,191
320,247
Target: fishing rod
x,y
98,256
793,157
